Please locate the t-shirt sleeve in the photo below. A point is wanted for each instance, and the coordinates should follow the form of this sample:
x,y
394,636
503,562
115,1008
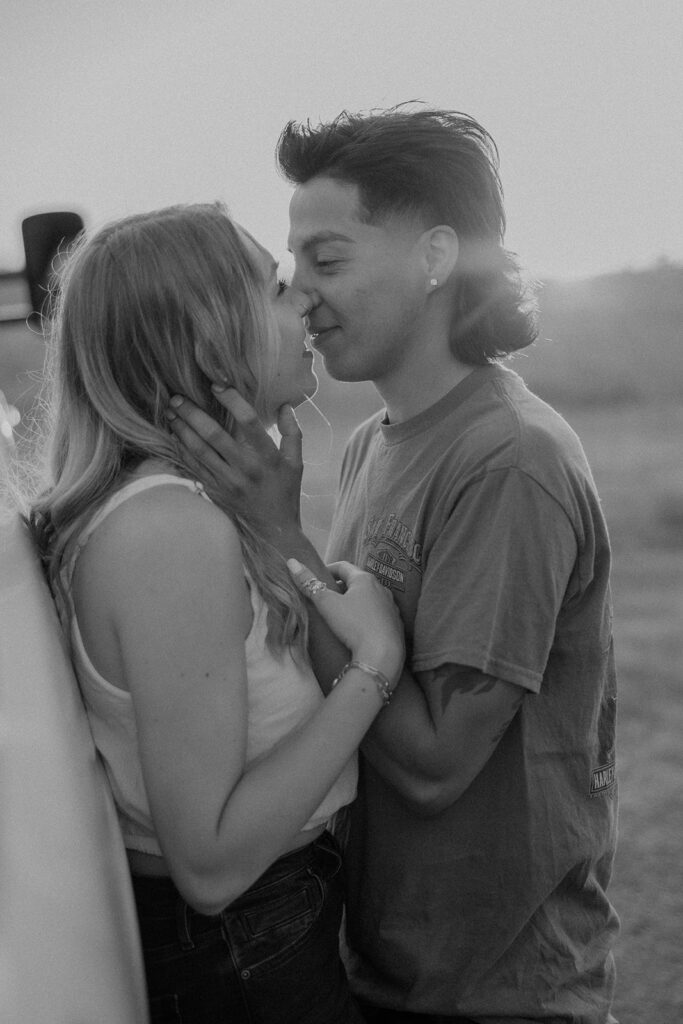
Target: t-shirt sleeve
x,y
494,580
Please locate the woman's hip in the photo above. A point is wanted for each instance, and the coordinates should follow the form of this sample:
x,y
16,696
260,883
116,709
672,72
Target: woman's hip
x,y
272,955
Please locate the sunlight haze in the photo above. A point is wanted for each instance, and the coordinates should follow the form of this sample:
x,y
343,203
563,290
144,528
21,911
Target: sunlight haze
x,y
113,108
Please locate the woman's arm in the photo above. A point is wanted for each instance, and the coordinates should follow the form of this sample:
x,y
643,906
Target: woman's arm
x,y
180,610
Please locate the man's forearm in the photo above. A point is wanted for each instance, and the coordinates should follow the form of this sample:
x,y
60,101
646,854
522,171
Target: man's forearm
x,y
401,743
428,751
439,732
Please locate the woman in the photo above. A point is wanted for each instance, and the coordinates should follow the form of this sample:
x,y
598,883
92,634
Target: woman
x,y
188,633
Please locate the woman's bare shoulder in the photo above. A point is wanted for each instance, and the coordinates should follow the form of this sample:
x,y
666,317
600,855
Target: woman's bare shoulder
x,y
169,529
160,555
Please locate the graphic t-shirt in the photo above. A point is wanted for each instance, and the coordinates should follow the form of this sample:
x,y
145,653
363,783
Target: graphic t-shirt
x,y
481,516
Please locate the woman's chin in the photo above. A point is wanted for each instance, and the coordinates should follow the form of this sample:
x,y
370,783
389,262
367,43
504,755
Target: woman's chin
x,y
293,400
306,393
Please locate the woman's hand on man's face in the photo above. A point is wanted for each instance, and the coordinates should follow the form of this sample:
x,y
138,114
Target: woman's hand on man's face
x,y
247,473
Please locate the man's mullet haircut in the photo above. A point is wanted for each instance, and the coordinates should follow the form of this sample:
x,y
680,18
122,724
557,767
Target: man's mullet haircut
x,y
441,167
440,164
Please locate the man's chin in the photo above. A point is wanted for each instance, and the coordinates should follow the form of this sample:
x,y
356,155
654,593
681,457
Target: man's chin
x,y
343,374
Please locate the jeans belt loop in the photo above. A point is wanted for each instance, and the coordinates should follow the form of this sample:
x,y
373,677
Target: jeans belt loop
x,y
183,925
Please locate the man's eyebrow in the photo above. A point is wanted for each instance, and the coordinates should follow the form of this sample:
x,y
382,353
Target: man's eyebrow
x,y
323,236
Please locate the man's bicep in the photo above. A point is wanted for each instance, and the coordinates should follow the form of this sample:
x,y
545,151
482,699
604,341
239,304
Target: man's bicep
x,y
471,712
449,682
439,732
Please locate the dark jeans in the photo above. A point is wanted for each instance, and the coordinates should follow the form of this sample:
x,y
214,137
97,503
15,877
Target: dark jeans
x,y
375,1015
271,957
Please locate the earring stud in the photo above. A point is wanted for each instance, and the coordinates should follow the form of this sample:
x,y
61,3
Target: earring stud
x,y
433,282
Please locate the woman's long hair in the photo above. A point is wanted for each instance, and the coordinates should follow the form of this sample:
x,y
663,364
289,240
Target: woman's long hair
x,y
154,305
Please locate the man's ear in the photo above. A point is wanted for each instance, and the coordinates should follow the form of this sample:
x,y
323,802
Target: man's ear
x,y
440,253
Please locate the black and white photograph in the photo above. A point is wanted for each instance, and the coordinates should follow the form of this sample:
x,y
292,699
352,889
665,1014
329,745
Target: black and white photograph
x,y
341,512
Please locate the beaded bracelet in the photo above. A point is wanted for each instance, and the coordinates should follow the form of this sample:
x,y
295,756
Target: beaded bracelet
x,y
381,681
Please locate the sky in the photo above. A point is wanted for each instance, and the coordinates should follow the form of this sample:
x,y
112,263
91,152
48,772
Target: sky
x,y
111,107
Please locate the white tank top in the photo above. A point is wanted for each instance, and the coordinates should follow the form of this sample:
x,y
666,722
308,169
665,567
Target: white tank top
x,y
281,694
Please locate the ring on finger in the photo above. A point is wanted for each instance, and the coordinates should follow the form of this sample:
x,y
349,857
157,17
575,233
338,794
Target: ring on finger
x,y
314,586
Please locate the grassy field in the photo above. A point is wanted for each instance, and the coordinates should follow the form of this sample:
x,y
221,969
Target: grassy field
x,y
637,457
636,454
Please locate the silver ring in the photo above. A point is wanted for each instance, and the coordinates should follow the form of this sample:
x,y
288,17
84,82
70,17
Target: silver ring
x,y
314,586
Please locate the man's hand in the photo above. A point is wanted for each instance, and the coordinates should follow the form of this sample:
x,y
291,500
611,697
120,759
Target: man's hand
x,y
246,472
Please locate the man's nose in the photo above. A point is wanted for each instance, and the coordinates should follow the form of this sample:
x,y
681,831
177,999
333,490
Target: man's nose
x,y
301,282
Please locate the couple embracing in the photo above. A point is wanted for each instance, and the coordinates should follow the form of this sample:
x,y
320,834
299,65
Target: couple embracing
x,y
423,727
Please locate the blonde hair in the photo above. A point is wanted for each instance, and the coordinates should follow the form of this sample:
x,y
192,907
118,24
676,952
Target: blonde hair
x,y
157,304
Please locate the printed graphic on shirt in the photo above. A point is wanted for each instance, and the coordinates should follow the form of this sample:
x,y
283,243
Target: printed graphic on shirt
x,y
603,778
385,568
390,529
394,554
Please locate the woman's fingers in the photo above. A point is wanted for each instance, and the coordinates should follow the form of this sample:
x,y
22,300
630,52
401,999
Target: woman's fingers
x,y
250,427
198,431
247,473
364,618
201,435
345,571
306,581
290,432
204,461
212,447
255,434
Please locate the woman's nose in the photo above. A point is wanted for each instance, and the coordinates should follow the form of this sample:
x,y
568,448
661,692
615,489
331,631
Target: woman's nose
x,y
302,302
301,281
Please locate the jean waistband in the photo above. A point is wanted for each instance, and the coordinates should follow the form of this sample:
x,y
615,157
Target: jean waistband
x,y
163,895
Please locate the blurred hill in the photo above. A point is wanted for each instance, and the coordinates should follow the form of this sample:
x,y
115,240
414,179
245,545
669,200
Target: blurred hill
x,y
613,339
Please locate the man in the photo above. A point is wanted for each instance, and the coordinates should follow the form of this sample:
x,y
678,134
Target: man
x,y
482,839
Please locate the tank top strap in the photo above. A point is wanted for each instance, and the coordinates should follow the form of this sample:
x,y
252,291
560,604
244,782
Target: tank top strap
x,y
144,483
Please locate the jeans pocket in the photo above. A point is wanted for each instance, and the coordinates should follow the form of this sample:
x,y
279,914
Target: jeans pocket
x,y
291,911
164,1010
281,927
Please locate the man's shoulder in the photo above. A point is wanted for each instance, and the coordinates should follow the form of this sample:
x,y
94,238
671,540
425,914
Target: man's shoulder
x,y
357,449
525,421
367,427
362,436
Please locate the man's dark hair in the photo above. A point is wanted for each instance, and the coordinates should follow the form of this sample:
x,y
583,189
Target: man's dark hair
x,y
441,167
